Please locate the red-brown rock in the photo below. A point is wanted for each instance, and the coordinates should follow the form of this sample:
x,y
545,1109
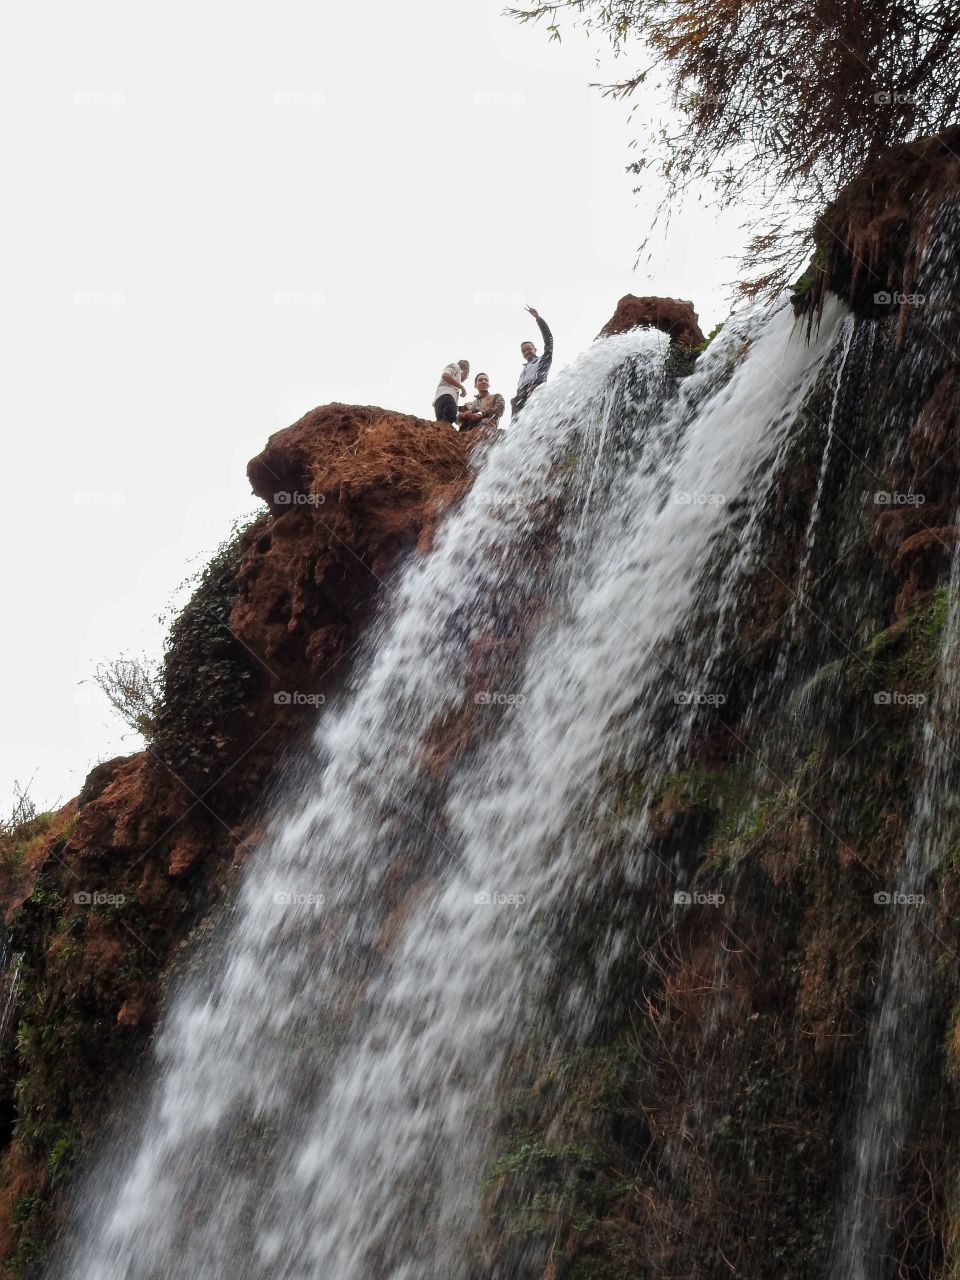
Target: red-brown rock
x,y
352,491
670,315
922,561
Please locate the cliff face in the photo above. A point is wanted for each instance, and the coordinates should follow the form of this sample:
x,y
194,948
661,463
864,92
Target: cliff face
x,y
700,1129
872,237
351,491
99,897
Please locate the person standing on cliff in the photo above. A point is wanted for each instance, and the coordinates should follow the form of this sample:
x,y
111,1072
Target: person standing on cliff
x,y
451,387
485,410
536,368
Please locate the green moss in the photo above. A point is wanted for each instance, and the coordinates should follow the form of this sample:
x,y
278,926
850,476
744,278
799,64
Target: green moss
x,y
702,346
547,1160
46,899
61,1159
538,1183
830,673
719,790
22,838
27,1262
25,1206
908,651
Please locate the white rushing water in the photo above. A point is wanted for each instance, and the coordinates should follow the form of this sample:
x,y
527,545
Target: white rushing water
x,y
325,1084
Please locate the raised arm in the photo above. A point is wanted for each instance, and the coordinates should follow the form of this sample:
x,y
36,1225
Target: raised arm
x,y
547,358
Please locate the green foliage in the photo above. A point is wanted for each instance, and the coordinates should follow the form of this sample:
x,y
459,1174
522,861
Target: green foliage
x,y
24,1208
781,99
131,686
702,346
207,673
539,1182
907,652
46,899
61,1159
24,829
550,1162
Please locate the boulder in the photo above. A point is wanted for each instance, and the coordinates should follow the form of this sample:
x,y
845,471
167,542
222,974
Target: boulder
x,y
670,315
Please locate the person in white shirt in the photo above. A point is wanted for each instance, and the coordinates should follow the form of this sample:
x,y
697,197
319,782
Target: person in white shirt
x,y
451,387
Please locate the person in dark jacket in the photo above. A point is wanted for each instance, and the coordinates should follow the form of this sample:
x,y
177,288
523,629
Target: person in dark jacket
x,y
536,368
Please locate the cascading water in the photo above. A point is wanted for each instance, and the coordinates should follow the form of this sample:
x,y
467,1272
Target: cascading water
x,y
326,1083
809,541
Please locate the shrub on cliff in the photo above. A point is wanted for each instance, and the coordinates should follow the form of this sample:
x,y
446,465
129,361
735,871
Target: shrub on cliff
x,y
184,707
206,671
131,686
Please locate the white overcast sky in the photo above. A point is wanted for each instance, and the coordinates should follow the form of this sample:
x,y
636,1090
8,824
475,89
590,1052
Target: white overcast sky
x,y
217,216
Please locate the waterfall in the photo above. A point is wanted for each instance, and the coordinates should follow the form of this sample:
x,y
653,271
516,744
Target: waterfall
x,y
324,1086
849,326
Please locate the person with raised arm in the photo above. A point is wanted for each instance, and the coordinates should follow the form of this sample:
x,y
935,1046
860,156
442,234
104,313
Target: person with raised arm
x,y
536,368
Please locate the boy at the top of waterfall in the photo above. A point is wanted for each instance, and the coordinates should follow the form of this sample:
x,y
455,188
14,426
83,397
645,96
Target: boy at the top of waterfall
x,y
536,368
